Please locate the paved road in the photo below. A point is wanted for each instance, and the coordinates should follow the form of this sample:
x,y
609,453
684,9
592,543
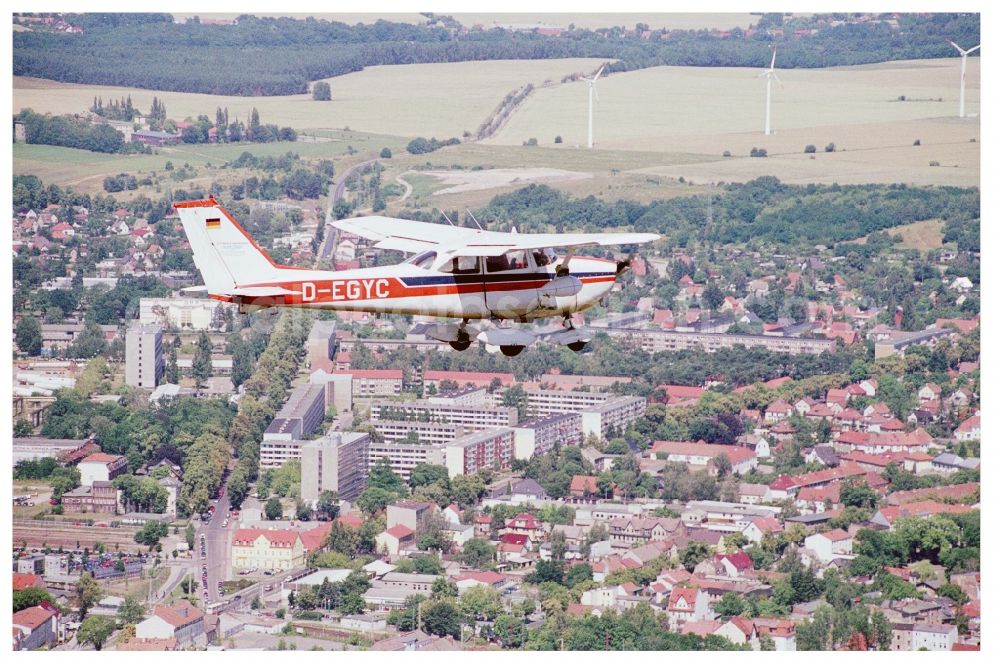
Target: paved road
x,y
326,252
217,539
177,574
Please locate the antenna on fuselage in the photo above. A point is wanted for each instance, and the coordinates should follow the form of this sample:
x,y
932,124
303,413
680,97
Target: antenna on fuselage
x,y
445,216
474,219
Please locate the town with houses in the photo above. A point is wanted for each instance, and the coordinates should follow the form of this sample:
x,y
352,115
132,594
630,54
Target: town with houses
x,y
542,497
770,443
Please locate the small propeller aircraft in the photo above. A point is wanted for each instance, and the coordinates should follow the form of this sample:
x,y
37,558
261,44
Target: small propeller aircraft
x,y
456,272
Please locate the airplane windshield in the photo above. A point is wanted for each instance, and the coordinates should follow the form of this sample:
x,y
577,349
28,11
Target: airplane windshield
x,y
460,265
424,260
544,257
511,261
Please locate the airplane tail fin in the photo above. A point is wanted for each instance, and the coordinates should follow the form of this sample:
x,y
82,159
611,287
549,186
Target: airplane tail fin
x,y
223,251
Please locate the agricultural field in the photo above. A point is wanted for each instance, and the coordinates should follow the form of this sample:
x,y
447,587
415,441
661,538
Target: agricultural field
x,y
441,100
706,21
924,235
665,108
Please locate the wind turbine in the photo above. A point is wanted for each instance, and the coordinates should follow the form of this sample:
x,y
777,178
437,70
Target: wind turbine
x,y
591,93
769,74
961,92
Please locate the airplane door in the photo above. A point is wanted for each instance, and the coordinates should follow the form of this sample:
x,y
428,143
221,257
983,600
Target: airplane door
x,y
468,275
511,283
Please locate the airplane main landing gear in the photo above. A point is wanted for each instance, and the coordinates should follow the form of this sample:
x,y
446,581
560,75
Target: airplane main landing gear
x,y
577,346
511,350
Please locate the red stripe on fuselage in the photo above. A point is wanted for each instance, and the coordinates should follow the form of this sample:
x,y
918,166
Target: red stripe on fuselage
x,y
323,289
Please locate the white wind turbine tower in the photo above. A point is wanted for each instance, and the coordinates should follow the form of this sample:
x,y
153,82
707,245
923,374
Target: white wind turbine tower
x,y
591,93
769,74
961,91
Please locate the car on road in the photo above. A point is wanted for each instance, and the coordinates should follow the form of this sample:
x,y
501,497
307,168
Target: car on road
x,y
225,523
268,587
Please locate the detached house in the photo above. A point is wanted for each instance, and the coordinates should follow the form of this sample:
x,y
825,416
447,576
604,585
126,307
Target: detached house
x,y
832,545
687,604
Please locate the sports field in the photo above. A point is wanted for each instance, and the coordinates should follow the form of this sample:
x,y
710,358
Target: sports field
x,y
441,100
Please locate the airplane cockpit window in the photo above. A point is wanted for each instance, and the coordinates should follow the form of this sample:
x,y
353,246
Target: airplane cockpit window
x,y
543,256
424,260
460,265
511,261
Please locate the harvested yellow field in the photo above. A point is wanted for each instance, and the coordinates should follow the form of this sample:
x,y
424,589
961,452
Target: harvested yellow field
x,y
712,110
660,106
441,100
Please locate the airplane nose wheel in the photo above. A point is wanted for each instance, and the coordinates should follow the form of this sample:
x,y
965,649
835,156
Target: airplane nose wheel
x,y
511,350
577,346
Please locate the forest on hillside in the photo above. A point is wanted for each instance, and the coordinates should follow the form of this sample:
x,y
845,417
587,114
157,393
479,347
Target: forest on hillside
x,y
280,56
764,210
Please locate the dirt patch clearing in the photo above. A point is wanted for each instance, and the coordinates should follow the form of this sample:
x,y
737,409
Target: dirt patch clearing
x,y
488,179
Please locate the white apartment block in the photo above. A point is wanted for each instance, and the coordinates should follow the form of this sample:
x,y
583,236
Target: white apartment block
x,y
618,412
143,356
427,432
539,436
487,449
475,417
337,462
404,457
197,314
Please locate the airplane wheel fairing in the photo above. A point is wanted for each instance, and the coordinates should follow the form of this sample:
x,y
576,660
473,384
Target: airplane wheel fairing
x,y
511,350
577,346
460,345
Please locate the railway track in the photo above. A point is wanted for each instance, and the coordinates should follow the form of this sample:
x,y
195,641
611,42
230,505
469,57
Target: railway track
x,y
36,533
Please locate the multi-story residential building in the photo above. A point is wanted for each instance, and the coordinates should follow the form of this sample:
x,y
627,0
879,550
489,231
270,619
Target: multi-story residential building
x,y
653,341
471,395
403,456
898,341
429,432
627,532
374,383
700,454
615,413
337,462
307,403
475,417
545,403
275,550
282,441
57,337
461,379
540,435
143,356
321,344
196,314
486,449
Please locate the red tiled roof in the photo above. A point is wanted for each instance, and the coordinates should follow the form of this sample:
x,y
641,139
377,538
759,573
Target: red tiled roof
x,y
100,458
33,617
23,581
583,484
277,538
399,531
460,377
488,577
179,615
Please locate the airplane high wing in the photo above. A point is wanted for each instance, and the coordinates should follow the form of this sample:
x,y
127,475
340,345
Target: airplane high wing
x,y
412,236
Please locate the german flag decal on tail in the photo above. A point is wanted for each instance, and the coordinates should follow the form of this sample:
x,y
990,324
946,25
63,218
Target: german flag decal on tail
x,y
213,223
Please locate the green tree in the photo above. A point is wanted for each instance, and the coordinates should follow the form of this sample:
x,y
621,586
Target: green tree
x,y
479,603
28,336
86,594
272,509
132,610
694,553
321,91
201,366
478,553
442,618
30,596
95,630
511,631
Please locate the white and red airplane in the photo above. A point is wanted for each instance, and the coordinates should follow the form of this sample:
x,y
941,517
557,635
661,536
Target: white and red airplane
x,y
466,274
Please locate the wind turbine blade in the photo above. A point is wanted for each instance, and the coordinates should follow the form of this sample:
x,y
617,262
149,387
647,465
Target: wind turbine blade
x,y
774,54
974,48
599,72
774,75
959,48
597,98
